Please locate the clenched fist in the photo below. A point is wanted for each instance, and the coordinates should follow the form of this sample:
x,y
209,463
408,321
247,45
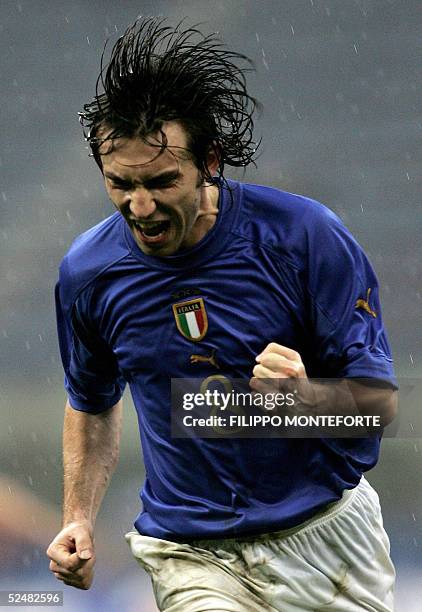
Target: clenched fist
x,y
280,368
277,361
72,555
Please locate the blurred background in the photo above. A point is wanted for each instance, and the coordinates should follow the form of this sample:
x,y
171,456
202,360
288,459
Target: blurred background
x,y
340,84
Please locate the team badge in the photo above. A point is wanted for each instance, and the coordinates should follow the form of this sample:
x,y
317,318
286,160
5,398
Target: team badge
x,y
191,319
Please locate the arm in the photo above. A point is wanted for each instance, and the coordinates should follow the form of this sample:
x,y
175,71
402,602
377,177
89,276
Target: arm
x,y
343,324
372,397
367,397
90,455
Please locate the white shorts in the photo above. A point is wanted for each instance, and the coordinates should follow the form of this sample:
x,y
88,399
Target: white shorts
x,y
339,560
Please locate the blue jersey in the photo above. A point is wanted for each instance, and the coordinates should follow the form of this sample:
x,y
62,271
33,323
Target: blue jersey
x,y
275,267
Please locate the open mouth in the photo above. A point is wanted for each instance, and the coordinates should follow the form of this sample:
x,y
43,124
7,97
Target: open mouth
x,y
152,231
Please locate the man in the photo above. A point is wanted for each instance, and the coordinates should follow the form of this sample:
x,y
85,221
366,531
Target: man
x,y
274,287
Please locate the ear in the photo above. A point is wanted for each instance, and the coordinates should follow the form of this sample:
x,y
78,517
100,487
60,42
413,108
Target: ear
x,y
213,158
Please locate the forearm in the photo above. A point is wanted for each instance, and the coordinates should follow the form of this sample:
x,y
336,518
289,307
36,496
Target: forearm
x,y
90,455
281,368
351,397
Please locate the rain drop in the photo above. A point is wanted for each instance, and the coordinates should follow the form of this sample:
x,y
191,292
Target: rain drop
x,y
264,60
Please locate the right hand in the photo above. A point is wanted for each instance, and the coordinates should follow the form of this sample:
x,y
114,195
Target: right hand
x,y
72,555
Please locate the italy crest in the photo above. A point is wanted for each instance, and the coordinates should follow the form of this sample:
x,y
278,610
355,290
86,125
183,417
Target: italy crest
x,y
191,319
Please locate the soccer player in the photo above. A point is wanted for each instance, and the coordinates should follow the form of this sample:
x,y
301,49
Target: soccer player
x,y
195,275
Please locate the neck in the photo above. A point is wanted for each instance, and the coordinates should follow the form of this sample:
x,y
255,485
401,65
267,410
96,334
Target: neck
x,y
207,214
209,202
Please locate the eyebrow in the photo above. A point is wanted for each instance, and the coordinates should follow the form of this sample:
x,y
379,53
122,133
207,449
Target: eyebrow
x,y
166,176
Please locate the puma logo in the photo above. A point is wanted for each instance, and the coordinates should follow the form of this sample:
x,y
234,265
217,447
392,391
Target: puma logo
x,y
204,359
361,303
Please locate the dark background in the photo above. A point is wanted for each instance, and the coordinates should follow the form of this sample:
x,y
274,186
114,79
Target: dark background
x,y
340,84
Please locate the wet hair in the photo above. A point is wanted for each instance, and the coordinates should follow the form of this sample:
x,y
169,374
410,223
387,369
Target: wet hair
x,y
156,74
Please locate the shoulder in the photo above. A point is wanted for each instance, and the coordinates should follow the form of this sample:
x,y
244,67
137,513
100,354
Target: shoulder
x,y
91,253
273,204
291,225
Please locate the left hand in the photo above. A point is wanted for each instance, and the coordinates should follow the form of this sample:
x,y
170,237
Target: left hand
x,y
276,362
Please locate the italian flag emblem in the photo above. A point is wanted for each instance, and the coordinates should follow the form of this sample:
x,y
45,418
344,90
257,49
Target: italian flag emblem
x,y
191,319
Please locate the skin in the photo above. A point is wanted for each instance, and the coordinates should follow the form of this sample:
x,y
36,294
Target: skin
x,y
147,188
90,454
277,362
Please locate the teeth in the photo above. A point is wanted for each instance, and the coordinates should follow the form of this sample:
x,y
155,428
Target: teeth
x,y
151,228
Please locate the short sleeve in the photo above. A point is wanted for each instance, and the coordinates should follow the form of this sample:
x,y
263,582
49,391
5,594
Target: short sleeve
x,y
348,333
92,377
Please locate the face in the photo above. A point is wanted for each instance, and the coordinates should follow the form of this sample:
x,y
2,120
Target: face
x,y
162,198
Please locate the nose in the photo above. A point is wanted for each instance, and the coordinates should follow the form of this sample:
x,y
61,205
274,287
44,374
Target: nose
x,y
142,203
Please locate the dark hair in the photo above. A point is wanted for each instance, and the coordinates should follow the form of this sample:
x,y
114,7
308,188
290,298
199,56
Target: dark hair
x,y
157,73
